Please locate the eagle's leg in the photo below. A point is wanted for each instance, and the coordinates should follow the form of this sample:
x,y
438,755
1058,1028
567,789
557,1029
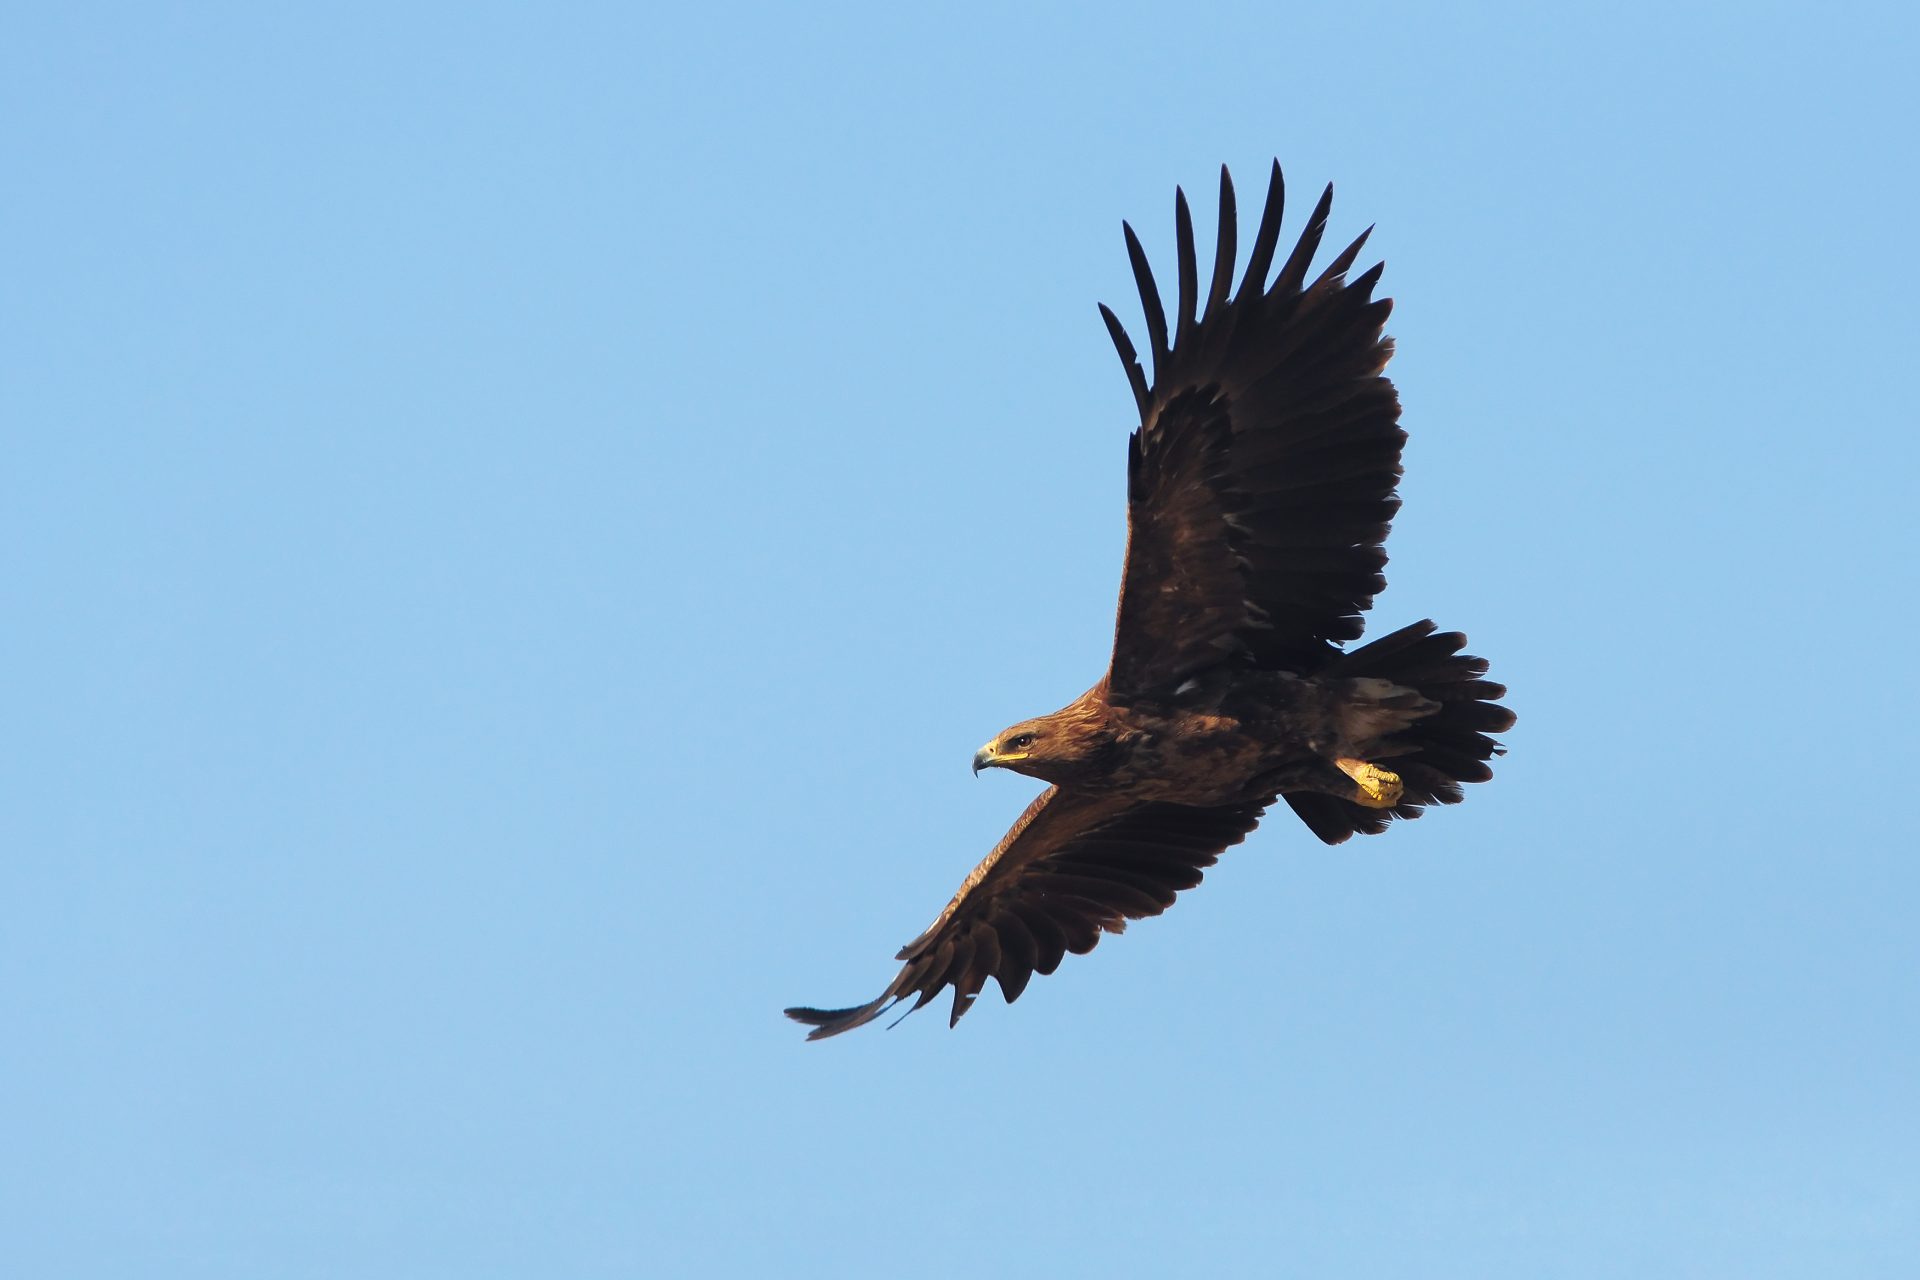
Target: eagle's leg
x,y
1373,786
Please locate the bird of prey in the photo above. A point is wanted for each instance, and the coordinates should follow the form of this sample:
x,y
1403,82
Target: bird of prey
x,y
1260,486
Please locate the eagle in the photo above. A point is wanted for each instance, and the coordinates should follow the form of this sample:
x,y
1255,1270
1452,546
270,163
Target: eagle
x,y
1261,483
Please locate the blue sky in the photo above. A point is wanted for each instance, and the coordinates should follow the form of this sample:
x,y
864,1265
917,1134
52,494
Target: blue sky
x,y
516,518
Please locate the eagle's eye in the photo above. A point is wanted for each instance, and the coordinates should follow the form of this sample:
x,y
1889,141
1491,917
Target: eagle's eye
x,y
1020,741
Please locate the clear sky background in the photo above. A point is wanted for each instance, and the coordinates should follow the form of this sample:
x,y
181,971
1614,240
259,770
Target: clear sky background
x,y
515,518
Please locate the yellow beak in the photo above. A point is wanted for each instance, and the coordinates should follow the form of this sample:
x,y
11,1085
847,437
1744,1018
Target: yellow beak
x,y
988,758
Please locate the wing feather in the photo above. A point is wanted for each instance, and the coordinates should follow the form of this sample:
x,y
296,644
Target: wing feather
x,y
1268,237
1073,867
1261,482
1223,249
1049,939
1189,272
1149,300
1294,270
1129,358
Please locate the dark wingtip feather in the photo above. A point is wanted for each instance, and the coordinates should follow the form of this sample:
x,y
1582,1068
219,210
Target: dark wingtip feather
x,y
831,1022
1340,265
1297,262
1268,237
1129,358
1149,300
1224,247
1364,284
1189,268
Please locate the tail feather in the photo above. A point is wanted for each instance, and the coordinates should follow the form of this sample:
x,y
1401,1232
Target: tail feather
x,y
1434,755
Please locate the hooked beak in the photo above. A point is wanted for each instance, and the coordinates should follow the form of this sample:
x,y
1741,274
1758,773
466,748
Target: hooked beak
x,y
991,757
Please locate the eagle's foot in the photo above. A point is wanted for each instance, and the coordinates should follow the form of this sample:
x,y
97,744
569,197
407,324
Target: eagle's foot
x,y
1373,786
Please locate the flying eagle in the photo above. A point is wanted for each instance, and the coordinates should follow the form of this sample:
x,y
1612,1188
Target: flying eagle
x,y
1260,487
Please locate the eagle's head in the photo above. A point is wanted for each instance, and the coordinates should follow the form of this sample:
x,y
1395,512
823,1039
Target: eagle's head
x,y
1060,748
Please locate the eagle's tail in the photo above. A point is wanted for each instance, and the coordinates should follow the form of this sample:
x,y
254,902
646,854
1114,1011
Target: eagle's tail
x,y
1436,753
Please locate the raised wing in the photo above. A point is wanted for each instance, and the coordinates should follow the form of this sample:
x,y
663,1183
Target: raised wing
x,y
1071,867
1260,484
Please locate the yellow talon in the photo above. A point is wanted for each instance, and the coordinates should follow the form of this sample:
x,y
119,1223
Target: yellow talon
x,y
1374,787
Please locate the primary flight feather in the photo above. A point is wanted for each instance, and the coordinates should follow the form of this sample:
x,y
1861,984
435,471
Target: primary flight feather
x,y
1260,488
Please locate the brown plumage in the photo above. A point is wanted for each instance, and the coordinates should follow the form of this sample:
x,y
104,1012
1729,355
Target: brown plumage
x,y
1260,488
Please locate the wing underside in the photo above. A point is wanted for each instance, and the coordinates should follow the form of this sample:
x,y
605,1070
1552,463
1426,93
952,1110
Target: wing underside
x,y
1261,482
1071,869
